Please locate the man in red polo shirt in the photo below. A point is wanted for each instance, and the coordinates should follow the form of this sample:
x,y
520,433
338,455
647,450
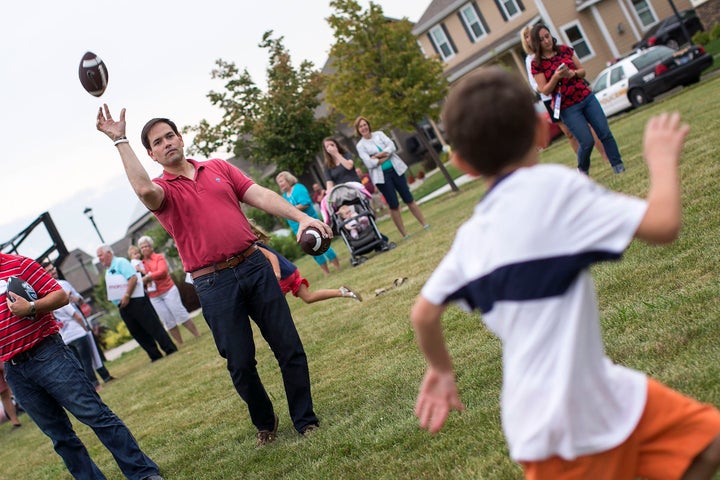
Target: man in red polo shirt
x,y
47,379
198,203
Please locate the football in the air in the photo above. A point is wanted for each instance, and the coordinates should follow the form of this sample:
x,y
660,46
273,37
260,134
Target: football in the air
x,y
93,74
313,243
21,289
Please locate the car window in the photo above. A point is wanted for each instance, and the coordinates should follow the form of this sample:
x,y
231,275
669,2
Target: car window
x,y
652,56
601,82
616,74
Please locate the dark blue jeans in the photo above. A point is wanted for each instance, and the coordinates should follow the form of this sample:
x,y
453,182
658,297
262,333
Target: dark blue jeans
x,y
394,183
577,118
229,298
81,347
52,381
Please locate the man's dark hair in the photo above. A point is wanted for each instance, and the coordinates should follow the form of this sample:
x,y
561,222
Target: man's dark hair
x,y
490,119
152,123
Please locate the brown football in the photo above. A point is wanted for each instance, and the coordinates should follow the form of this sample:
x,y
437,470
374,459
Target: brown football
x,y
93,74
313,242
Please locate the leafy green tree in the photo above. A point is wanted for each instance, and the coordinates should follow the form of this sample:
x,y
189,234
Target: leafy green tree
x,y
381,73
277,126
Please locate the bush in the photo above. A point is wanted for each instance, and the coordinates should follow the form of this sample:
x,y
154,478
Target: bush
x,y
263,219
287,246
117,337
701,38
715,32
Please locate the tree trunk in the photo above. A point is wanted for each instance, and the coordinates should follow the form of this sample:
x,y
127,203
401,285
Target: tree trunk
x,y
436,158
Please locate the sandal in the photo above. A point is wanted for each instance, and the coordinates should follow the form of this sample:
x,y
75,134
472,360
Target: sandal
x,y
347,292
399,281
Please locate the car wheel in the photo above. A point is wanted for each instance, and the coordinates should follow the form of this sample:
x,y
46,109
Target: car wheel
x,y
672,43
637,97
692,81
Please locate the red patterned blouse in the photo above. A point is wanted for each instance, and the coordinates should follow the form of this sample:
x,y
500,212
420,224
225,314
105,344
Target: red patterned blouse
x,y
573,90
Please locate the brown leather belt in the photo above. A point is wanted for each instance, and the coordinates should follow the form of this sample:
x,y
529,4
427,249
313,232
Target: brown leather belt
x,y
231,262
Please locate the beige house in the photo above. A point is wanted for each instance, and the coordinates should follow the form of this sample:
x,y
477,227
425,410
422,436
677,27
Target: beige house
x,y
468,34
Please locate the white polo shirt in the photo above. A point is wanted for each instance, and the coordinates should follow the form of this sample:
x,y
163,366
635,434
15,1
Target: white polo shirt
x,y
522,260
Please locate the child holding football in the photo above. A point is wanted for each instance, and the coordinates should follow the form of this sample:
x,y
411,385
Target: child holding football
x,y
523,261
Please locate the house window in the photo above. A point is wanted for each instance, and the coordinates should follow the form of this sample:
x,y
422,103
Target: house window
x,y
473,22
442,43
509,8
644,12
577,40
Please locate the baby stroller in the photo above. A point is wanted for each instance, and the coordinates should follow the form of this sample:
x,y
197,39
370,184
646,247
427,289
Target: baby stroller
x,y
349,214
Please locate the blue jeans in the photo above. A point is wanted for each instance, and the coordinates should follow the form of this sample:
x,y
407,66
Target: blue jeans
x,y
577,118
229,298
81,347
394,182
53,380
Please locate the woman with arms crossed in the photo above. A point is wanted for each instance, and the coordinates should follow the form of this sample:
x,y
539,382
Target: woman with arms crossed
x,y
387,172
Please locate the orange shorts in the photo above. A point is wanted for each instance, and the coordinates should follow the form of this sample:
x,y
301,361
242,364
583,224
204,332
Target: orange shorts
x,y
293,282
672,431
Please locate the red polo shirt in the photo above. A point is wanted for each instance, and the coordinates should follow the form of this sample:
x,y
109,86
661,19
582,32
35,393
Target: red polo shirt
x,y
203,214
20,334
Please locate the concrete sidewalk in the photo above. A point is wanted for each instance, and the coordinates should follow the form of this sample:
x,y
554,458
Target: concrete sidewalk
x,y
446,188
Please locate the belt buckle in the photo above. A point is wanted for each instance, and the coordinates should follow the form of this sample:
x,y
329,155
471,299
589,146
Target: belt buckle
x,y
19,358
229,262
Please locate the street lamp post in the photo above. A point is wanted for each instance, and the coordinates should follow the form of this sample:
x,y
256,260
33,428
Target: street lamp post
x,y
88,211
683,28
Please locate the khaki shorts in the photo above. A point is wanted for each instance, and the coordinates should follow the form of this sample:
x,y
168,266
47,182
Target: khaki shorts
x,y
672,431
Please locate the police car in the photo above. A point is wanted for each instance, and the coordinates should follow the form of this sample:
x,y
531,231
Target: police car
x,y
638,78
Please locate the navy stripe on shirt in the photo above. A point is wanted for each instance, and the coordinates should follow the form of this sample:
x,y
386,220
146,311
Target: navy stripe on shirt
x,y
530,280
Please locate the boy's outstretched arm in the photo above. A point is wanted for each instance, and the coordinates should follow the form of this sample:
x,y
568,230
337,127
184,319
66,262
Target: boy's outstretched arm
x,y
662,146
438,392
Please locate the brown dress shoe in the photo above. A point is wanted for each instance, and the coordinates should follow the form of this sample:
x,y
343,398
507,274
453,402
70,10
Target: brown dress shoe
x,y
267,436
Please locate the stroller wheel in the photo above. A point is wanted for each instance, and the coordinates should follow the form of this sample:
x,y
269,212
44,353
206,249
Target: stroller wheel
x,y
387,246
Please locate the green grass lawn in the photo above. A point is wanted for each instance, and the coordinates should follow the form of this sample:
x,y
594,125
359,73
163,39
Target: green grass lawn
x,y
660,309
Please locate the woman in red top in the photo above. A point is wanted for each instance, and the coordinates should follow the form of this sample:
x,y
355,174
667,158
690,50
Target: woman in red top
x,y
559,73
165,297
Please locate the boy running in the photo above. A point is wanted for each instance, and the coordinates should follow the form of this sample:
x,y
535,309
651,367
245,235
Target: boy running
x,y
523,261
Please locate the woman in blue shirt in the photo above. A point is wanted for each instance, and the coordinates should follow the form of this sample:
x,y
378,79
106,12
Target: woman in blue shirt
x,y
298,195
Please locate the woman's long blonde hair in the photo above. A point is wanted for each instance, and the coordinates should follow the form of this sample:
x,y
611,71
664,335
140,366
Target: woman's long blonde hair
x,y
525,45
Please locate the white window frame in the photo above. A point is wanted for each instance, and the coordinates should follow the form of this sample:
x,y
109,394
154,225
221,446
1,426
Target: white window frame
x,y
576,24
637,15
470,21
438,28
503,5
422,49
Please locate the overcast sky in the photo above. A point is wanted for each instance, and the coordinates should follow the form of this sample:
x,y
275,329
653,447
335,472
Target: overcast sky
x,y
159,55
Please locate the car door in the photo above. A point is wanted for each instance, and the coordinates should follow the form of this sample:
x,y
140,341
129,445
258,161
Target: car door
x,y
618,88
599,87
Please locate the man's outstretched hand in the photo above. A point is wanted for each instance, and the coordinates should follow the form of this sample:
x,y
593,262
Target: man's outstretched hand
x,y
108,126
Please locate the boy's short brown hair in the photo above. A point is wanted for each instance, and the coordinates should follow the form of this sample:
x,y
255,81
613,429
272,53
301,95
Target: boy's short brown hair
x,y
490,119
